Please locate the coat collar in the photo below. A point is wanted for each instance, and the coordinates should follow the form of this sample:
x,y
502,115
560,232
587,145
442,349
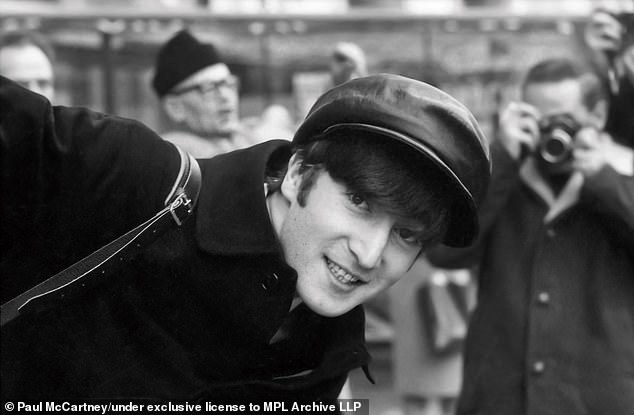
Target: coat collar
x,y
232,217
568,197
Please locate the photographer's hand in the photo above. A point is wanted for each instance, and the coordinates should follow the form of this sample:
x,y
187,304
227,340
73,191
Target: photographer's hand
x,y
595,149
519,130
628,63
604,32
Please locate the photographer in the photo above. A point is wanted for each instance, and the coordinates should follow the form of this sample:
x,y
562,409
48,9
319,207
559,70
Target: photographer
x,y
610,36
554,326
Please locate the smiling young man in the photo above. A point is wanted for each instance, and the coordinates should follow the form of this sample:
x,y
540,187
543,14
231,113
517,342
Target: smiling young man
x,y
258,296
370,205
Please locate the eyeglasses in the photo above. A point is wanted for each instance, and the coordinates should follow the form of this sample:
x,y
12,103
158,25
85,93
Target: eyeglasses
x,y
340,58
209,87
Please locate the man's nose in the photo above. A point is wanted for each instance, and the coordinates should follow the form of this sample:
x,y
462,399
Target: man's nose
x,y
226,92
369,243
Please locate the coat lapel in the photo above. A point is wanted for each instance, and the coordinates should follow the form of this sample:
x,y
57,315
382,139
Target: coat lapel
x,y
567,198
232,217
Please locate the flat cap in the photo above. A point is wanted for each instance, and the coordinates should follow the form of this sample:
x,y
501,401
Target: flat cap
x,y
429,120
179,58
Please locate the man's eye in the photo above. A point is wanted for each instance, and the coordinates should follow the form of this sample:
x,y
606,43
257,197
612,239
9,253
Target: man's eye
x,y
408,236
357,200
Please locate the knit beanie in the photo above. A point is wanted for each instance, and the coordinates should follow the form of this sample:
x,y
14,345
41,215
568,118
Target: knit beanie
x,y
182,56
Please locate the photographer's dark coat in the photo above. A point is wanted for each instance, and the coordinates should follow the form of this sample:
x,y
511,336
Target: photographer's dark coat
x,y
191,317
553,331
620,123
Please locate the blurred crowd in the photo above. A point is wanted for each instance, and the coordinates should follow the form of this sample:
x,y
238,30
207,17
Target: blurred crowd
x,y
537,316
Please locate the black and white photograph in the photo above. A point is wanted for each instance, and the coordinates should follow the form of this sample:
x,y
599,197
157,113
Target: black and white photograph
x,y
370,207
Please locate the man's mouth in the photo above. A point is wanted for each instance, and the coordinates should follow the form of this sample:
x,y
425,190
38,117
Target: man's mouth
x,y
342,275
225,112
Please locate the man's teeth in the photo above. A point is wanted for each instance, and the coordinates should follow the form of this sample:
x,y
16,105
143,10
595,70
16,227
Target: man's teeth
x,y
341,274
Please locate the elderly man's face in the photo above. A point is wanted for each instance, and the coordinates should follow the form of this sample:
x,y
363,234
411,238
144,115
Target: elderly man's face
x,y
344,251
28,66
208,101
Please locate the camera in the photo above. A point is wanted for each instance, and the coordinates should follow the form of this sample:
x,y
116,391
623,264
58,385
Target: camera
x,y
556,138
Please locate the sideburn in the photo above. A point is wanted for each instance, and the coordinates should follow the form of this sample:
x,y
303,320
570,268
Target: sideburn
x,y
309,176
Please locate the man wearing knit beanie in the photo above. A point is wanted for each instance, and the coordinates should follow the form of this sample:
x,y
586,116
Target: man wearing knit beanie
x,y
199,95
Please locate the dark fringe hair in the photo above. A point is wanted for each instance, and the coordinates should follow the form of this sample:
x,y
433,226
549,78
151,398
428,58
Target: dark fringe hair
x,y
385,172
561,69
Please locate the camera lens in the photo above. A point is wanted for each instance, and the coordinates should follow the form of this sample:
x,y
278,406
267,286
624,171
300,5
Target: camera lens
x,y
556,146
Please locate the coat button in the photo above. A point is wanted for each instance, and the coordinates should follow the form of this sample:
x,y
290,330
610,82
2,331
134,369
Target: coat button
x,y
269,281
551,233
543,298
538,367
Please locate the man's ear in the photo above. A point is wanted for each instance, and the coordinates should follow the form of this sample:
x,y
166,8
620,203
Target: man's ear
x,y
174,108
292,179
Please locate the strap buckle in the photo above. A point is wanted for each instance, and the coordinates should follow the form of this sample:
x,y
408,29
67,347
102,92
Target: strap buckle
x,y
181,208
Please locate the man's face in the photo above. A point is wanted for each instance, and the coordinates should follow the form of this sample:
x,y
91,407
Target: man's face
x,y
344,252
209,103
342,69
556,98
28,66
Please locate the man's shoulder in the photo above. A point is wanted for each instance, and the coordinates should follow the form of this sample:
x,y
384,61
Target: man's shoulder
x,y
262,153
193,144
180,135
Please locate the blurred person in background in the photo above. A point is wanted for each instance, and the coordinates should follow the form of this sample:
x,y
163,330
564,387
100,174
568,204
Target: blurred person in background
x,y
610,36
275,122
347,62
27,58
200,96
430,308
553,327
343,62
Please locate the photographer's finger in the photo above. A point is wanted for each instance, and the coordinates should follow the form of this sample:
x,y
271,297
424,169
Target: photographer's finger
x,y
628,60
527,111
513,139
604,17
604,32
530,131
586,162
588,138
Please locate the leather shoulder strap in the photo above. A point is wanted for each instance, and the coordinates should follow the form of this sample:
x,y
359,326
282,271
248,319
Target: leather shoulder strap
x,y
179,205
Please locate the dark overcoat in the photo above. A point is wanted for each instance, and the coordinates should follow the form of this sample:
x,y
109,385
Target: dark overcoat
x,y
553,331
192,317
